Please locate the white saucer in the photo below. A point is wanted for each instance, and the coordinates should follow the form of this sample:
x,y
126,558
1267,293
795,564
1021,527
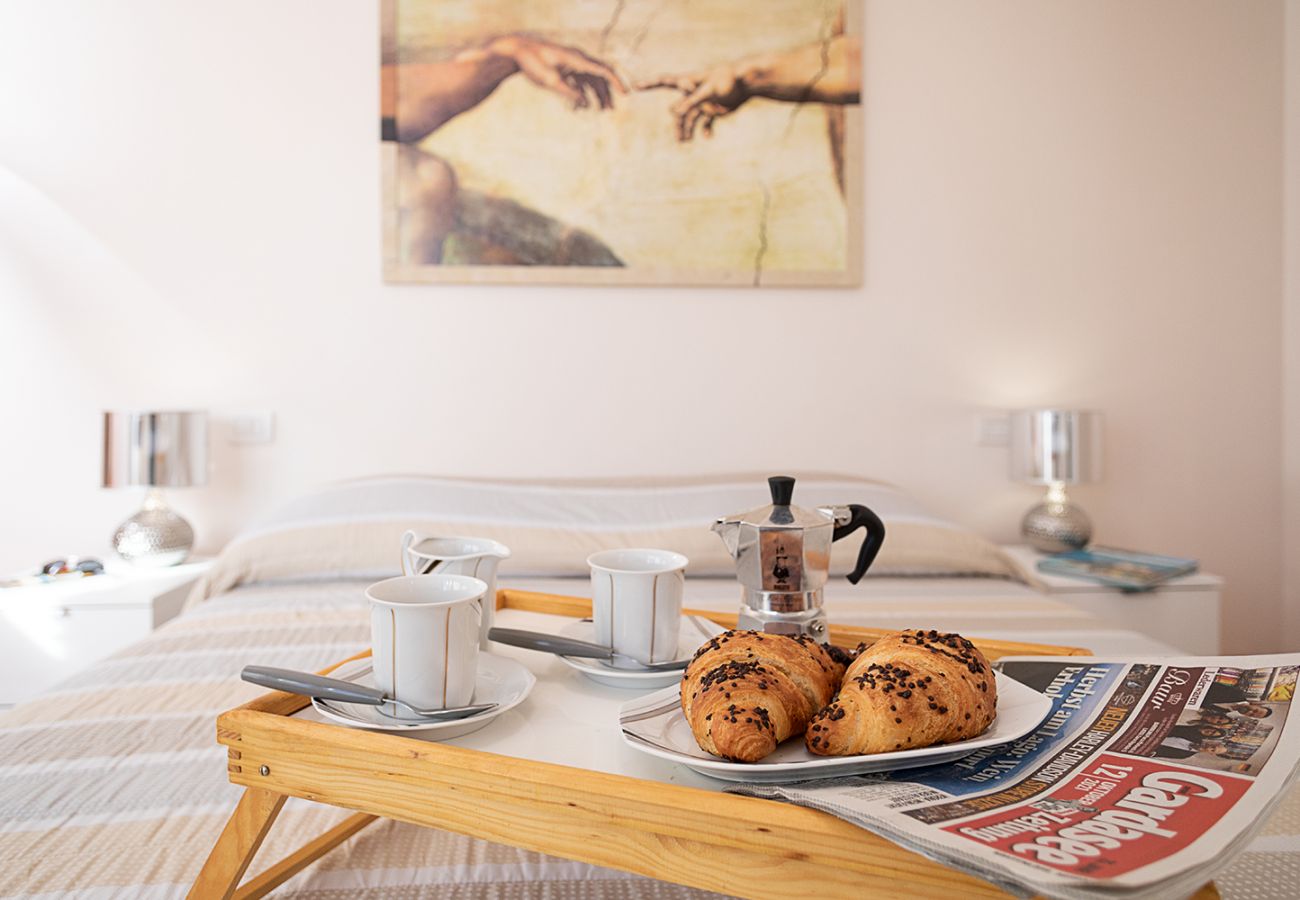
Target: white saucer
x,y
655,724
695,630
501,681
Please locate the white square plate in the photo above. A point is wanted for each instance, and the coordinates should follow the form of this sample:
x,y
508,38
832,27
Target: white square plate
x,y
655,724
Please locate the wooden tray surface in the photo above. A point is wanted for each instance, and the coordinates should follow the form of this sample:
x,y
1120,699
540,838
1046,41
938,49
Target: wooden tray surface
x,y
735,845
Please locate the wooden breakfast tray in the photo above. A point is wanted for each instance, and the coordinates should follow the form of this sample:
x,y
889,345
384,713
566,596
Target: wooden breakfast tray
x,y
689,835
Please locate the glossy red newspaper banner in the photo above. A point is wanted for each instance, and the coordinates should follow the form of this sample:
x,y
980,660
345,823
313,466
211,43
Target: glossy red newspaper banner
x,y
1115,815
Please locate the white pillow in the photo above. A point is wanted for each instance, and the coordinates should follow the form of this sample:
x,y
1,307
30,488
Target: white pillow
x,y
351,529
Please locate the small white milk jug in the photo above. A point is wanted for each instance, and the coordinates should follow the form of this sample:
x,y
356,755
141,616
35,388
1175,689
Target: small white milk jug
x,y
476,557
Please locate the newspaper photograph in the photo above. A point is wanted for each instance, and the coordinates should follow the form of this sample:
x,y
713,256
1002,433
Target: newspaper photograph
x,y
1140,782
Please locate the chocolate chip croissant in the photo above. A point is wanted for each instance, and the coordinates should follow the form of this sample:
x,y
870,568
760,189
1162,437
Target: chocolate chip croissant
x,y
745,692
908,690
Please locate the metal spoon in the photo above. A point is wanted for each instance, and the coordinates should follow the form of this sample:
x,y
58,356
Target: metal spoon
x,y
309,685
342,712
562,646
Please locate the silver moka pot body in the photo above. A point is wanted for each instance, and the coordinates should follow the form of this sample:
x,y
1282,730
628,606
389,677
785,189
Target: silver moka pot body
x,y
783,558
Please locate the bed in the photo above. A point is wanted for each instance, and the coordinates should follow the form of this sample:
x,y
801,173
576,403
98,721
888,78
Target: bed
x,y
112,785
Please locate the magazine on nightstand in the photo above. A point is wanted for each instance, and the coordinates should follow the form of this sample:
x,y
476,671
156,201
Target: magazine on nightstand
x,y
1118,568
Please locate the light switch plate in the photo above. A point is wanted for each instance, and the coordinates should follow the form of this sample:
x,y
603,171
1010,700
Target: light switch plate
x,y
992,429
252,428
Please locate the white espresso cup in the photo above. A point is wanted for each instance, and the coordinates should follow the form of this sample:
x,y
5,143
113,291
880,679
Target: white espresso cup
x,y
424,637
636,601
476,557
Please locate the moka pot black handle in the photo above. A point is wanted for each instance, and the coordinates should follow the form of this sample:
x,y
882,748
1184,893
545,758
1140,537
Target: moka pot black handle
x,y
861,517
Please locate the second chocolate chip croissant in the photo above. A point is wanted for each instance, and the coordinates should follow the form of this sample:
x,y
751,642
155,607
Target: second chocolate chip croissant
x,y
908,690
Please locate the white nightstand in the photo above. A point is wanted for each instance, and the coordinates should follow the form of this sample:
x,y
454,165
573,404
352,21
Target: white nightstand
x,y
1183,612
49,631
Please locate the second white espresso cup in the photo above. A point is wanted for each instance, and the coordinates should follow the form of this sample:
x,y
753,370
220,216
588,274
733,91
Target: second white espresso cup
x,y
424,632
636,601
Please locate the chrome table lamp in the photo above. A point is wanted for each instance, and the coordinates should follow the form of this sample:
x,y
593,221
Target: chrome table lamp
x,y
1056,447
155,450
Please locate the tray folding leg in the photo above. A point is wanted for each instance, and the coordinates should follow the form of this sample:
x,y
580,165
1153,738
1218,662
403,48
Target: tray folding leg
x,y
243,835
239,840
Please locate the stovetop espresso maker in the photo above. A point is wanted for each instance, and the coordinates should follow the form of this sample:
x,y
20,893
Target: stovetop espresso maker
x,y
783,558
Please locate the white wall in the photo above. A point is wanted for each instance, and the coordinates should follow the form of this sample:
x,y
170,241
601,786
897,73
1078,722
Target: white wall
x,y
1065,203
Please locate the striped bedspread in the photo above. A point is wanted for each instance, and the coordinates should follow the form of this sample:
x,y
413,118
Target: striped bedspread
x,y
113,785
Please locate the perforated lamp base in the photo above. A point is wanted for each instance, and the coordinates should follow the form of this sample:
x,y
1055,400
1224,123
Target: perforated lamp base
x,y
156,536
1056,525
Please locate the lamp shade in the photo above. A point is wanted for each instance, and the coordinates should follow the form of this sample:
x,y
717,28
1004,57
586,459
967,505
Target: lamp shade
x,y
1055,445
157,449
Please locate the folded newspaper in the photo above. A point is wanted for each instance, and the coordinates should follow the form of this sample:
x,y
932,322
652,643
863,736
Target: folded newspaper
x,y
1143,781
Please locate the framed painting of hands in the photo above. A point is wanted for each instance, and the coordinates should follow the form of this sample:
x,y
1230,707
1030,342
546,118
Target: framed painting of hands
x,y
621,142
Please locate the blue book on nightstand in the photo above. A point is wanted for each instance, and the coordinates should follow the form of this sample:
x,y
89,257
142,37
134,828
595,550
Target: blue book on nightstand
x,y
1118,568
